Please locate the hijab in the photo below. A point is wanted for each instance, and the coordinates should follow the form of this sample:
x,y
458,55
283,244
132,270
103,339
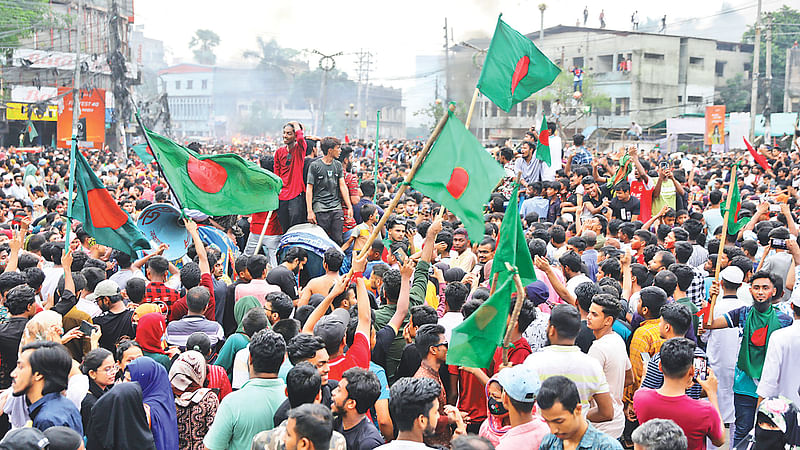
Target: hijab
x,y
157,393
784,415
492,428
241,307
149,332
119,421
189,372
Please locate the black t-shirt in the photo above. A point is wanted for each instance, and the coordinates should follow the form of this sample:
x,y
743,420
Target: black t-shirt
x,y
284,278
585,337
113,326
409,362
364,436
383,340
325,181
624,210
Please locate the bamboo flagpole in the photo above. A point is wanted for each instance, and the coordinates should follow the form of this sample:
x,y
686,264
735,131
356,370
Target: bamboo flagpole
x,y
710,316
397,196
377,146
76,114
263,230
515,313
472,107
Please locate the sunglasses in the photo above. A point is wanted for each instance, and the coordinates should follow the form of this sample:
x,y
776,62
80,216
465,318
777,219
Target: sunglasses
x,y
443,344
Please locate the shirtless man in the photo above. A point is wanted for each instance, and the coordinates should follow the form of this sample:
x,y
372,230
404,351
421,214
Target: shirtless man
x,y
332,262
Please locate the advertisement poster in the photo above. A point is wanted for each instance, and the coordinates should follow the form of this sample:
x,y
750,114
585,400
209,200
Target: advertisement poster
x,y
715,125
92,121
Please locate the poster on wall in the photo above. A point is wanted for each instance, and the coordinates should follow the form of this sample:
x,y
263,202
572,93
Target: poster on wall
x,y
715,125
91,123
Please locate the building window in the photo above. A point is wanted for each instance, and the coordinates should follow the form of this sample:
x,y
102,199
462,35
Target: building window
x,y
654,56
695,99
188,84
652,100
696,61
622,106
719,68
680,98
204,84
177,84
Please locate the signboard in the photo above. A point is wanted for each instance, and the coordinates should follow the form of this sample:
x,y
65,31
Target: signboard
x,y
92,121
30,94
715,125
45,59
20,111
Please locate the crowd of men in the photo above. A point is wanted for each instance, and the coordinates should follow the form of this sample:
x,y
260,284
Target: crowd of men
x,y
628,338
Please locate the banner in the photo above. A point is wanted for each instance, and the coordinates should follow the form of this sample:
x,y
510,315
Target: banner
x,y
715,125
92,121
19,111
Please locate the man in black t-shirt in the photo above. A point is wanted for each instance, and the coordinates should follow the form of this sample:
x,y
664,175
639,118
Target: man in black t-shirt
x,y
116,320
285,275
624,206
326,191
356,394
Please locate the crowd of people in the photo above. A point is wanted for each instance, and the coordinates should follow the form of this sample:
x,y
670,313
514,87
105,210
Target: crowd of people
x,y
627,338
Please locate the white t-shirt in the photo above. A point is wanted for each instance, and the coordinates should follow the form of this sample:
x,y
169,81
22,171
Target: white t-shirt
x,y
610,351
575,281
241,371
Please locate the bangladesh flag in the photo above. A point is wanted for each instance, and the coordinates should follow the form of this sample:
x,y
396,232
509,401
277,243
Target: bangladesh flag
x,y
736,204
459,174
100,215
514,68
758,157
144,153
512,247
543,147
217,185
622,172
31,129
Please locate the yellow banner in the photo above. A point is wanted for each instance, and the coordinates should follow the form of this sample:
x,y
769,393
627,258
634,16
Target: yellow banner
x,y
363,124
19,111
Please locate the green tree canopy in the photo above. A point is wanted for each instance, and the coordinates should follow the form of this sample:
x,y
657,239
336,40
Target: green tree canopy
x,y
203,43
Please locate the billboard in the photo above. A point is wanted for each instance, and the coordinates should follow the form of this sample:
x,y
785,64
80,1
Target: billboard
x,y
715,125
20,111
92,121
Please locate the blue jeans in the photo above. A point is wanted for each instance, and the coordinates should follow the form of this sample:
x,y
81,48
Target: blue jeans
x,y
745,410
577,86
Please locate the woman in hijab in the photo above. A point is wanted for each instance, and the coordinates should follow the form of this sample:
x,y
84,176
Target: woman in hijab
x,y
196,405
777,425
240,339
497,422
157,396
119,421
149,334
100,367
216,378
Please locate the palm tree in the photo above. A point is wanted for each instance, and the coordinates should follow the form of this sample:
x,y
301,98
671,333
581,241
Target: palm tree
x,y
203,43
274,59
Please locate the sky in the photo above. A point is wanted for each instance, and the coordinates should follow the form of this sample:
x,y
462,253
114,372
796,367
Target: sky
x,y
396,32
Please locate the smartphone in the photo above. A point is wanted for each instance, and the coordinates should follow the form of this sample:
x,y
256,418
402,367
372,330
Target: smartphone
x,y
86,328
778,243
774,208
400,255
700,368
664,165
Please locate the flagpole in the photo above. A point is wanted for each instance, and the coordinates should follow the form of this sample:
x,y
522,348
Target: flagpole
x,y
403,186
76,114
377,140
472,107
158,163
514,314
263,230
713,302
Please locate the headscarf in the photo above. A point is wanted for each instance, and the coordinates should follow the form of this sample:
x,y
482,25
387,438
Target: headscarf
x,y
189,370
241,307
784,414
157,393
149,332
44,326
758,327
492,428
119,421
145,308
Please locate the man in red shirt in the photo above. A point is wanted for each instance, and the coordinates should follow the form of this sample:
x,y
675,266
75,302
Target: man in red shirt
x,y
641,188
289,161
157,272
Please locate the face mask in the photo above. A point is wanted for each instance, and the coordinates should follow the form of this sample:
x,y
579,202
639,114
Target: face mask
x,y
768,439
496,408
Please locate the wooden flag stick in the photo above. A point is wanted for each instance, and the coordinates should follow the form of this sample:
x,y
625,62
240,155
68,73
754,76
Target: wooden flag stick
x,y
471,108
713,302
399,194
515,313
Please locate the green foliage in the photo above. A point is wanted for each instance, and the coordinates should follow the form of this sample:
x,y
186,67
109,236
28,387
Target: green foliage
x,y
435,110
203,43
735,95
562,89
784,32
19,19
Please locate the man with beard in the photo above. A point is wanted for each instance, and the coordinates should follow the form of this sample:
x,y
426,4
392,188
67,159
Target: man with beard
x,y
285,275
757,323
530,167
356,394
289,161
115,320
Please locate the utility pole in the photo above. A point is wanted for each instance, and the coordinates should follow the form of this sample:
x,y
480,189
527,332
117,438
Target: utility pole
x,y
326,64
768,108
446,61
754,86
363,70
116,60
542,7
76,89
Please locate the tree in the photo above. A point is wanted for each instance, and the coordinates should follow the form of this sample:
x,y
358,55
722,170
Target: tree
x,y
735,95
562,88
19,19
280,62
784,33
203,43
435,110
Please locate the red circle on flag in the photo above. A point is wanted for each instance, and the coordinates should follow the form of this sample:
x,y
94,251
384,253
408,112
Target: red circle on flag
x,y
520,72
459,180
207,175
103,210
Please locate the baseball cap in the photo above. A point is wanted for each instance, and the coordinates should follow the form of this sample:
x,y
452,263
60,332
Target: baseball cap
x,y
63,438
106,288
588,179
332,327
537,292
520,383
732,274
24,439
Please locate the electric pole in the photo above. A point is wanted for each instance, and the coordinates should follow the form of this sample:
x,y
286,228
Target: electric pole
x,y
768,107
446,61
116,61
542,7
326,64
363,70
754,75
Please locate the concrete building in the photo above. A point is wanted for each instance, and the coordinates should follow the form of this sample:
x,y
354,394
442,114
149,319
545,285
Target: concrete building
x,y
189,89
648,77
791,93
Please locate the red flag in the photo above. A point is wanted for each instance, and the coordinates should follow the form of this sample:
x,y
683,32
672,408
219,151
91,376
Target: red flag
x,y
760,159
704,312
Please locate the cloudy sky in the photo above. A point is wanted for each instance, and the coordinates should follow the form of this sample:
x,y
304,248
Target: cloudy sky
x,y
397,31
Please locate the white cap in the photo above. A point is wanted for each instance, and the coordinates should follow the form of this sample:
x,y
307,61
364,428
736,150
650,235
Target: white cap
x,y
732,274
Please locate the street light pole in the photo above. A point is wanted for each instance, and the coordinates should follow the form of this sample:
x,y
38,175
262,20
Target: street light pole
x,y
542,7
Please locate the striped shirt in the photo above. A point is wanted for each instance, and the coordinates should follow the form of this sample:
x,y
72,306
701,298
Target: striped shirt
x,y
654,378
569,361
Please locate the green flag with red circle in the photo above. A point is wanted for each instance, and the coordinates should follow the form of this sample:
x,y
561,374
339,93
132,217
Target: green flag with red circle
x,y
543,146
100,215
514,68
459,174
217,185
